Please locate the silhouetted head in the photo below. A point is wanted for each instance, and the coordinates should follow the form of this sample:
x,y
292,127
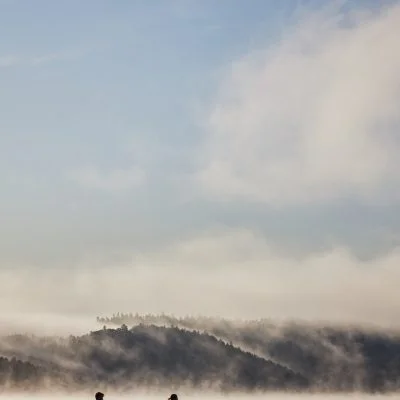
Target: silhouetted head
x,y
173,397
99,396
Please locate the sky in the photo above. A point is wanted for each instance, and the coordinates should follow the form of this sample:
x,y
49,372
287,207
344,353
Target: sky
x,y
223,157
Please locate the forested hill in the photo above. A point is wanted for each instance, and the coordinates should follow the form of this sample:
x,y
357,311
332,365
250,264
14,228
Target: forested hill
x,y
210,353
331,358
145,356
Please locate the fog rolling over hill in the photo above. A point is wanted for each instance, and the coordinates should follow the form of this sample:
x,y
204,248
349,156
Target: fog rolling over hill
x,y
329,357
142,357
163,353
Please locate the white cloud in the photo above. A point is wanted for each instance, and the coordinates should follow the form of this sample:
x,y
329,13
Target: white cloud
x,y
231,273
114,180
313,118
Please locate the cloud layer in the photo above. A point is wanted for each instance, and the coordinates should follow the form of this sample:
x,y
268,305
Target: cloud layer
x,y
314,117
233,274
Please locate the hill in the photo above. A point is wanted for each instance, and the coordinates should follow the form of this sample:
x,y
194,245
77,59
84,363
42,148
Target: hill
x,y
149,356
331,358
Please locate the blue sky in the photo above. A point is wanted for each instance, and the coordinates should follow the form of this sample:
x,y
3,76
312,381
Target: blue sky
x,y
131,127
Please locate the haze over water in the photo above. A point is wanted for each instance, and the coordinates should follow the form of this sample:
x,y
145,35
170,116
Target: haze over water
x,y
208,395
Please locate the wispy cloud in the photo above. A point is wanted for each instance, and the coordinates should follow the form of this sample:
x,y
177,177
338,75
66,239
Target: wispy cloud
x,y
313,118
8,61
38,60
55,56
115,180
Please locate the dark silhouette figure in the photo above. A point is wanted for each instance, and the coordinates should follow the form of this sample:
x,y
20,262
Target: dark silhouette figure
x,y
173,397
99,396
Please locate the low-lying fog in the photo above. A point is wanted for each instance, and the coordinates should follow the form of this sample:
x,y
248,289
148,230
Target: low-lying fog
x,y
47,324
201,396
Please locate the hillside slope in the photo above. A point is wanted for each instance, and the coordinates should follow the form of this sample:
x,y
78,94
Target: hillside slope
x,y
150,356
331,358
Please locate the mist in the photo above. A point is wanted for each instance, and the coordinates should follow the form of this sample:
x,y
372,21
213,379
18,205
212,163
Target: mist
x,y
47,324
163,395
230,274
